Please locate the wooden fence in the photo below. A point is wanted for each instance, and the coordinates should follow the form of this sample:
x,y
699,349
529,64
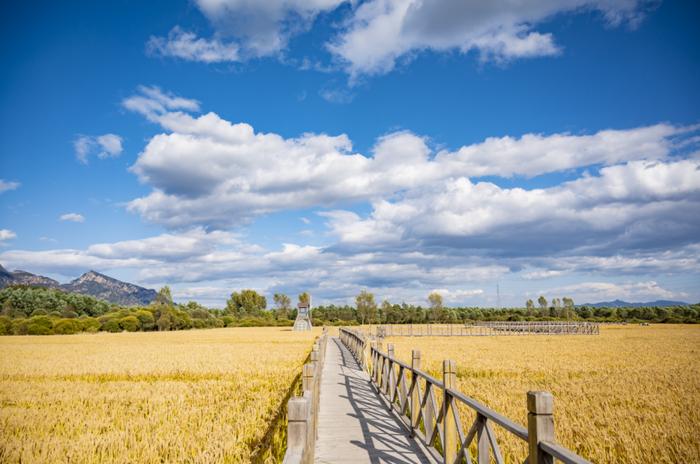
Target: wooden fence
x,y
302,411
490,328
414,395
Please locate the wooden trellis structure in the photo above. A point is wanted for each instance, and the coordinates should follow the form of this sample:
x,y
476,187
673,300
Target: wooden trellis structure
x,y
428,408
479,329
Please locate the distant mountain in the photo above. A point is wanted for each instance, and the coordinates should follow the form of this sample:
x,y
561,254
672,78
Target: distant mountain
x,y
91,283
627,304
6,277
107,288
24,278
27,278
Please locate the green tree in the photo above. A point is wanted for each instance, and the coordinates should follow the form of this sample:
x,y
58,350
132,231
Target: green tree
x,y
246,303
164,321
436,308
146,319
66,327
366,307
164,296
283,305
130,323
568,307
542,301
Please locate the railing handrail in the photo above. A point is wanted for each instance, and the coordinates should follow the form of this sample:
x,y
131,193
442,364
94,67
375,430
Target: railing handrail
x,y
402,391
302,411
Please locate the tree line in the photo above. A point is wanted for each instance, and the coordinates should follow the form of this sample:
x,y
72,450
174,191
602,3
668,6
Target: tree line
x,y
28,310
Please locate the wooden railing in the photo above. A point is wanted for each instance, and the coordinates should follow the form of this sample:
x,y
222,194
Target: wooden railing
x,y
414,396
302,411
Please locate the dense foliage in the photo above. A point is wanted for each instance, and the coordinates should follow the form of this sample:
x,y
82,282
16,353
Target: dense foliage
x,y
43,311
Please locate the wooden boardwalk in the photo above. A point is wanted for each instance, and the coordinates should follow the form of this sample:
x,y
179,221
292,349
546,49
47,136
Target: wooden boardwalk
x,y
354,423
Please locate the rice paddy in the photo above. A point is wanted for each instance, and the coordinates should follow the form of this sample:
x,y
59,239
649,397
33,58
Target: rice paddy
x,y
196,396
629,395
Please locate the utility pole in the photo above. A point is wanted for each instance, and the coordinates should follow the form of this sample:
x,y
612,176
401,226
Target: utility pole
x,y
498,296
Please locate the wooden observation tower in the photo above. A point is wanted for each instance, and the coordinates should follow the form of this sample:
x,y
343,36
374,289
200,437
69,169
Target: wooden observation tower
x,y
303,320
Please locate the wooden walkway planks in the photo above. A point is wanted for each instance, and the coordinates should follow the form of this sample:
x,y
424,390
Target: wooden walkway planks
x,y
354,424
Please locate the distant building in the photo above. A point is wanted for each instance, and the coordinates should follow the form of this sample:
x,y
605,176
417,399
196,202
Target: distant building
x,y
303,320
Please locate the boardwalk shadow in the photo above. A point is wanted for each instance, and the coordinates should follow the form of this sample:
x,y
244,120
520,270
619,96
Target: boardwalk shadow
x,y
383,437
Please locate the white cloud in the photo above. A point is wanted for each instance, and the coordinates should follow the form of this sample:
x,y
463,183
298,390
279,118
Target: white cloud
x,y
208,171
6,234
638,205
105,146
187,46
208,265
458,295
244,29
194,242
590,292
380,32
72,217
336,95
6,186
152,103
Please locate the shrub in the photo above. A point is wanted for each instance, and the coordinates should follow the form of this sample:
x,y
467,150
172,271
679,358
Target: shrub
x,y
146,319
68,314
89,324
5,325
39,325
130,323
110,325
19,326
66,326
39,312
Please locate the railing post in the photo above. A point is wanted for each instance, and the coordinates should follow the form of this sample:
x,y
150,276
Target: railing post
x,y
297,429
449,379
482,442
380,366
307,381
540,425
390,371
415,398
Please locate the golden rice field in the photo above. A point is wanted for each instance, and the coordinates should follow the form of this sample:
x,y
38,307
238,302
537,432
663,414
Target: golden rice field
x,y
196,396
629,395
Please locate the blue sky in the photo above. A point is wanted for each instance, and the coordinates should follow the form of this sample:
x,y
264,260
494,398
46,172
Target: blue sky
x,y
331,146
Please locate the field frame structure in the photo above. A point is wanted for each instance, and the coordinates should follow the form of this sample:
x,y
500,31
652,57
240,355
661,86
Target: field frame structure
x,y
484,329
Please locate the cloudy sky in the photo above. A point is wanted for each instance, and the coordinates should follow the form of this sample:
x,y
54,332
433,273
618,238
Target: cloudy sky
x,y
402,146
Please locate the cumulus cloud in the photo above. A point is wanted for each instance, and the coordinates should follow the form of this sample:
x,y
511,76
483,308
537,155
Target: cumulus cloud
x,y
606,291
6,186
104,146
205,170
6,234
186,258
380,32
187,46
153,103
637,205
243,29
208,265
72,217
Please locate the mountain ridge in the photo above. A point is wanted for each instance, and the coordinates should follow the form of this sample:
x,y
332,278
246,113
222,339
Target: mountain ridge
x,y
627,304
91,283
